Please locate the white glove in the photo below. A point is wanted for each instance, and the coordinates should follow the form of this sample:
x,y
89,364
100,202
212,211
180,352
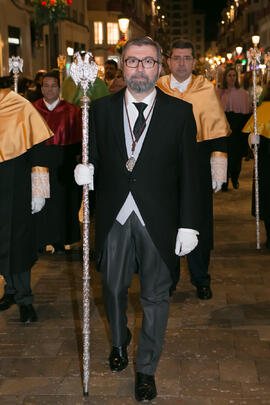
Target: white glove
x,y
253,139
186,241
37,204
84,174
217,185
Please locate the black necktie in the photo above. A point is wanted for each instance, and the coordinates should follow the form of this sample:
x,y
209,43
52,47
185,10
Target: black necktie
x,y
137,129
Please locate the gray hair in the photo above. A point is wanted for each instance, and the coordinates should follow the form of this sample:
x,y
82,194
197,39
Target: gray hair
x,y
141,41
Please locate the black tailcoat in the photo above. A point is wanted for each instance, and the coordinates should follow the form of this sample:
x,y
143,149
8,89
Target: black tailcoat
x,y
163,182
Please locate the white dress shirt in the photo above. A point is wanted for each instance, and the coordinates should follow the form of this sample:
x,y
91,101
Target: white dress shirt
x,y
181,86
130,204
53,105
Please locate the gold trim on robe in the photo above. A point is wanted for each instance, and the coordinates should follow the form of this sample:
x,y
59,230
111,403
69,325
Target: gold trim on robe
x,y
40,169
209,116
263,121
219,154
21,126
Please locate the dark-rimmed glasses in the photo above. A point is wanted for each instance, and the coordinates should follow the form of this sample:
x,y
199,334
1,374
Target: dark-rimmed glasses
x,y
147,63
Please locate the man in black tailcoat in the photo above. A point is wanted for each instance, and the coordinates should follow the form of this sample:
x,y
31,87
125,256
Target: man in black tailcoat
x,y
142,144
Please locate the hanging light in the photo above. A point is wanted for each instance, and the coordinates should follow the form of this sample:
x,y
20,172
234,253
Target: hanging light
x,y
229,55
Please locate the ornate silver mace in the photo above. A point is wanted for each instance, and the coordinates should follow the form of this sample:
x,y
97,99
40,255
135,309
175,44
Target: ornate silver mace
x,y
15,64
82,72
254,55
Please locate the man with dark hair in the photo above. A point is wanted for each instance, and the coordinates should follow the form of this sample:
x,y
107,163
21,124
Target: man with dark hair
x,y
146,198
113,83
58,223
212,130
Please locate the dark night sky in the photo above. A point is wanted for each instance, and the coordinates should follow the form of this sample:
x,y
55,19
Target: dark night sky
x,y
212,10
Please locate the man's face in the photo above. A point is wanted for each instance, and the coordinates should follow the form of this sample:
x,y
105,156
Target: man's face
x,y
110,71
181,63
50,89
141,79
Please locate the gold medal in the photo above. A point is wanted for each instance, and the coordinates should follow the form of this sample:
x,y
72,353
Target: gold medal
x,y
131,163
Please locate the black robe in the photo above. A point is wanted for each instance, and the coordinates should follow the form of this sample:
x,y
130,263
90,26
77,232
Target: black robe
x,y
264,180
17,233
205,208
58,222
163,182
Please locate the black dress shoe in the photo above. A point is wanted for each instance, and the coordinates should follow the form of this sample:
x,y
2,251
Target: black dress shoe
x,y
224,187
145,387
204,293
27,313
118,358
6,301
235,183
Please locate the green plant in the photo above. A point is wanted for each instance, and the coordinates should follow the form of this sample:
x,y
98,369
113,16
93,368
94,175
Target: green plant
x,y
47,11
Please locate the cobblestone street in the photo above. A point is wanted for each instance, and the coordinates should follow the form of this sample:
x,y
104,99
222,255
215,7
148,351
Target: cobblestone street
x,y
217,352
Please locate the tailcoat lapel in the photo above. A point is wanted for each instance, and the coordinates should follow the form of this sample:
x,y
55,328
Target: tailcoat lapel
x,y
117,122
154,129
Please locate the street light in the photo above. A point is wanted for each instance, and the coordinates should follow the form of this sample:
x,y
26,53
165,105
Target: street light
x,y
255,40
239,50
123,24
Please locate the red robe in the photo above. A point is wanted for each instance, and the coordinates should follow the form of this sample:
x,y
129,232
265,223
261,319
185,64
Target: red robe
x,y
58,222
64,121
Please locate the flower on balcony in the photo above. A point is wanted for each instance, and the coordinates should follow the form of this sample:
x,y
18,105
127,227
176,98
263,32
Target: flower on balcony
x,y
119,46
46,11
238,58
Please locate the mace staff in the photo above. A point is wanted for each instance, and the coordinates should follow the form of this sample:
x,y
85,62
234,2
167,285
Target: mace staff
x,y
83,72
254,55
61,63
15,64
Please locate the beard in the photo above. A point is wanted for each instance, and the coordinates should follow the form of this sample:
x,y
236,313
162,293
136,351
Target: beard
x,y
140,86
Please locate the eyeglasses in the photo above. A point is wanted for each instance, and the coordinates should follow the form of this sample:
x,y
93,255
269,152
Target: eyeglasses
x,y
147,63
185,59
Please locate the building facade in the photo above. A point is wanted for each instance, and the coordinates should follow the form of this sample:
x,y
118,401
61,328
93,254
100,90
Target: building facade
x,y
240,20
15,34
20,36
104,28
183,22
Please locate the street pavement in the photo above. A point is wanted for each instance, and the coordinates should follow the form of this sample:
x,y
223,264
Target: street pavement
x,y
217,352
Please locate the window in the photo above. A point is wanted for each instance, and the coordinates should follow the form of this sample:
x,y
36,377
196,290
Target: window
x,y
112,33
13,40
98,32
75,15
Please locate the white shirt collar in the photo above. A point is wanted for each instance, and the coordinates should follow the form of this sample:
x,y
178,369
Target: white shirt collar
x,y
181,86
53,105
147,100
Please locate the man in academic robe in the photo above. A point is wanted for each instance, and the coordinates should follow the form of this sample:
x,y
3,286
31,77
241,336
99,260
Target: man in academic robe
x,y
58,224
142,144
24,183
262,140
212,130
